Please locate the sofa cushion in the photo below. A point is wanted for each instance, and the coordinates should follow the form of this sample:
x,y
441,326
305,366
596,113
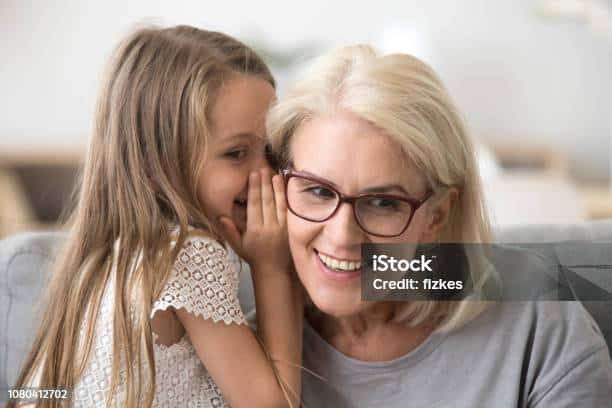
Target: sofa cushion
x,y
587,231
582,233
24,262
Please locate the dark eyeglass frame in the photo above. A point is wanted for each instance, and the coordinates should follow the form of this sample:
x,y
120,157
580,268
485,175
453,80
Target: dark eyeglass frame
x,y
343,198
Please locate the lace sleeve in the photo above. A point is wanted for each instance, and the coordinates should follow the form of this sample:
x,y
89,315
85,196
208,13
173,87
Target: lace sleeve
x,y
203,282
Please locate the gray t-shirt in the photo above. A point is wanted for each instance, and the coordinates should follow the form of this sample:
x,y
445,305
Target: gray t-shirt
x,y
515,354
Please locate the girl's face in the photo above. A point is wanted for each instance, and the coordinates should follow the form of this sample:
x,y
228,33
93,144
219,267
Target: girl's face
x,y
236,147
355,157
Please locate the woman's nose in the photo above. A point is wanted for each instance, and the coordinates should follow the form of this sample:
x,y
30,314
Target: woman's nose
x,y
342,228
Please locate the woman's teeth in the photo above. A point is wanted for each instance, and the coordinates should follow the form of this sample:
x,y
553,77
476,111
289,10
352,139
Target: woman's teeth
x,y
338,264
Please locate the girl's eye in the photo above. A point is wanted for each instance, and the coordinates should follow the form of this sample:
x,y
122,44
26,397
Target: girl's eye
x,y
236,154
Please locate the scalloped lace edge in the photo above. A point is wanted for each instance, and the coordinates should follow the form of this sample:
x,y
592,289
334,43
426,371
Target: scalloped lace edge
x,y
203,314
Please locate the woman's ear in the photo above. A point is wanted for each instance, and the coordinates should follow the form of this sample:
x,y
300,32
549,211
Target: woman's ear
x,y
438,214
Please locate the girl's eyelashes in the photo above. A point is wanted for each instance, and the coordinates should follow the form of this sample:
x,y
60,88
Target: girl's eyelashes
x,y
237,153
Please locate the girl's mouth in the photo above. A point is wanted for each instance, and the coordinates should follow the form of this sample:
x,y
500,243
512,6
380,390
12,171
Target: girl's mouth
x,y
239,214
241,202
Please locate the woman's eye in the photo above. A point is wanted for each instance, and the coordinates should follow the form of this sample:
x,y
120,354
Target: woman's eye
x,y
383,203
321,192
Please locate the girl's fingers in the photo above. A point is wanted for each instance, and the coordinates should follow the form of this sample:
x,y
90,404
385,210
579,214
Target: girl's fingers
x,y
279,198
267,198
254,216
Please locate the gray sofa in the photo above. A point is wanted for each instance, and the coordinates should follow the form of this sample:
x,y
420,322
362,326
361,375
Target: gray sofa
x,y
25,260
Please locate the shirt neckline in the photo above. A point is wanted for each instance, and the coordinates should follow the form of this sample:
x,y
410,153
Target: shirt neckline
x,y
339,361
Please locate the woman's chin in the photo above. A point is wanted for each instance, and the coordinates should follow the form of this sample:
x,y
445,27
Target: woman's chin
x,y
339,306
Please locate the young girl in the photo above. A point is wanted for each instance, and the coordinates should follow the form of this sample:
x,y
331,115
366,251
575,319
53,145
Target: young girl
x,y
142,308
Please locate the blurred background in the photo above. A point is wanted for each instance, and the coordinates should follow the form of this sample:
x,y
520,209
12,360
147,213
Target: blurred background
x,y
532,78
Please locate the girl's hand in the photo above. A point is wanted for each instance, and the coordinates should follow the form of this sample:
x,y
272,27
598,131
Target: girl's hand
x,y
264,244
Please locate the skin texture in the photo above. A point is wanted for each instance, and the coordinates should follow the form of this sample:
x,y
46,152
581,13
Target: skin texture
x,y
356,156
236,147
235,169
235,150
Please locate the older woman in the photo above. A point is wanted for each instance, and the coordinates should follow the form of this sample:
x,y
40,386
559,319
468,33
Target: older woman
x,y
375,152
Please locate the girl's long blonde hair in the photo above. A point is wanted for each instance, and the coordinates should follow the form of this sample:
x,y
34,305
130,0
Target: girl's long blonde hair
x,y
404,98
139,179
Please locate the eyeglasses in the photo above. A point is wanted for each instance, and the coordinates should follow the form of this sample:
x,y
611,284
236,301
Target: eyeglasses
x,y
382,215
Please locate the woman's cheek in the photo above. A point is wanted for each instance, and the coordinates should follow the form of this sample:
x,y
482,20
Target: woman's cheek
x,y
300,238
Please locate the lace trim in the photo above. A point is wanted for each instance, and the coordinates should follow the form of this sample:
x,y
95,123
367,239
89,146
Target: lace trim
x,y
203,314
181,378
182,343
203,282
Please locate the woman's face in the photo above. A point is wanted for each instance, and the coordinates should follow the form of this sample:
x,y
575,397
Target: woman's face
x,y
355,157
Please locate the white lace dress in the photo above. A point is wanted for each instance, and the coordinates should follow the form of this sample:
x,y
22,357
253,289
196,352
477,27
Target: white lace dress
x,y
204,281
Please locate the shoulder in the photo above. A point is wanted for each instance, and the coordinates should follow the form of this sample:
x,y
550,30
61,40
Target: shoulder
x,y
202,258
564,333
548,337
203,281
200,252
560,325
548,327
197,242
556,343
569,360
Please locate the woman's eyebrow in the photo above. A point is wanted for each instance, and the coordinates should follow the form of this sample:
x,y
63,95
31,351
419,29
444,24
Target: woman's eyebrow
x,y
316,176
387,188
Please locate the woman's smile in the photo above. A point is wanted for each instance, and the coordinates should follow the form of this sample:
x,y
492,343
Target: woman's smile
x,y
327,254
339,270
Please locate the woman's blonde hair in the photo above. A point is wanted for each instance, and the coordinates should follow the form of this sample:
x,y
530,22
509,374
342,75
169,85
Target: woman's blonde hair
x,y
404,98
139,180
